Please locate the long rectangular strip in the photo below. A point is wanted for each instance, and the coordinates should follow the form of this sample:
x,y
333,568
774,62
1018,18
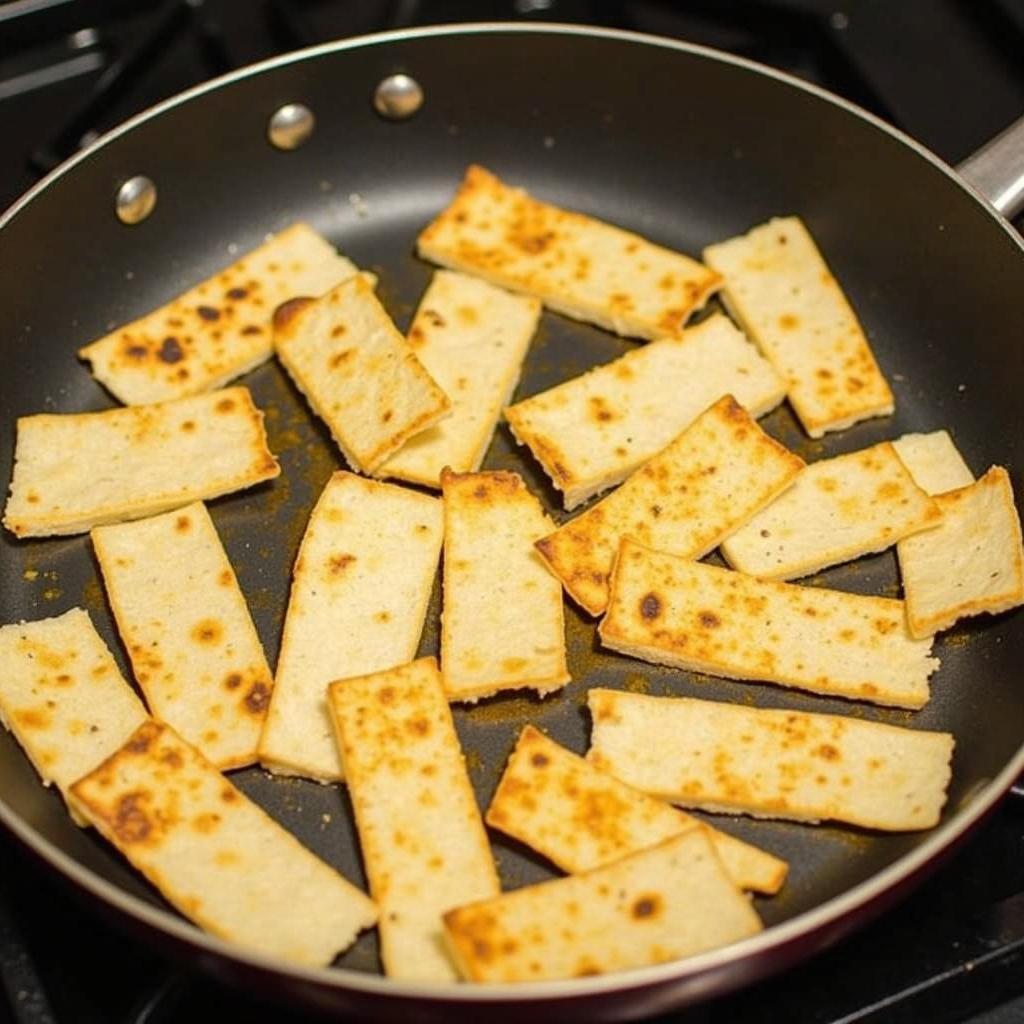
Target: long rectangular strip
x,y
423,842
187,630
674,611
359,596
76,471
772,764
217,856
592,431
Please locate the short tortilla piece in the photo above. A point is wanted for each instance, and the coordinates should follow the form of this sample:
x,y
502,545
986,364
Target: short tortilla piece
x,y
423,842
359,596
934,461
357,372
219,329
187,630
668,901
781,291
574,264
472,338
673,611
772,764
63,697
838,509
73,472
215,855
591,432
973,563
702,487
580,818
503,626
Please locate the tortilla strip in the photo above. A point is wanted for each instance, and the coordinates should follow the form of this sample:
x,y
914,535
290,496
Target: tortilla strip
x,y
591,432
472,338
574,264
215,855
973,563
199,662
781,291
667,901
503,625
219,329
837,509
357,372
772,764
703,486
74,472
423,843
63,697
580,818
359,597
674,611
933,461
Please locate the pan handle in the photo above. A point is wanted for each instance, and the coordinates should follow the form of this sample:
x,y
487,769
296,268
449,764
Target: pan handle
x,y
997,170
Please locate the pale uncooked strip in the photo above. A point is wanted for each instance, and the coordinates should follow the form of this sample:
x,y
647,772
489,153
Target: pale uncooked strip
x,y
575,264
217,856
359,597
702,487
772,764
503,625
219,329
423,842
580,818
674,611
934,461
357,372
187,630
837,509
780,289
668,901
62,696
472,338
76,471
971,564
591,432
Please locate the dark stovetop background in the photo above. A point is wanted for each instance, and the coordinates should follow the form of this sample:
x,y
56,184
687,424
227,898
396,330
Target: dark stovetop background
x,y
950,72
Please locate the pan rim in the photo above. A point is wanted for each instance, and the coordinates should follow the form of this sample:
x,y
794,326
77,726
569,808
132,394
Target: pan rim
x,y
802,927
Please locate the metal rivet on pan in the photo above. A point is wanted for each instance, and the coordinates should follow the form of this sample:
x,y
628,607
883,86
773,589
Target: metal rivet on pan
x,y
135,200
290,126
398,97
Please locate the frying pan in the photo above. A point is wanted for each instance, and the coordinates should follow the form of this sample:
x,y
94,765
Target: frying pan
x,y
681,144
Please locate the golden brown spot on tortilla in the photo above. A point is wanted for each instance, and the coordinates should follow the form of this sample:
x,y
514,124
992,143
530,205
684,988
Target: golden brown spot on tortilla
x,y
513,664
206,822
650,606
382,616
207,631
142,738
418,726
225,405
539,760
788,321
136,351
387,695
188,426
252,329
258,697
385,416
337,564
208,313
237,293
709,620
182,524
225,578
287,311
130,823
232,680
468,314
646,906
228,795
171,758
32,718
824,374
828,752
170,350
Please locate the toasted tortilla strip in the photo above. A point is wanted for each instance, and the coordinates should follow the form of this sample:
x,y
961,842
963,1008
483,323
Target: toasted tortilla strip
x,y
359,596
187,630
503,625
780,289
217,856
591,432
971,564
357,372
220,328
667,901
574,264
674,611
73,472
472,338
837,509
934,461
772,764
423,843
63,697
703,486
580,818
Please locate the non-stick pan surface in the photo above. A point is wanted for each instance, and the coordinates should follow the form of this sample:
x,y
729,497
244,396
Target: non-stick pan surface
x,y
680,144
